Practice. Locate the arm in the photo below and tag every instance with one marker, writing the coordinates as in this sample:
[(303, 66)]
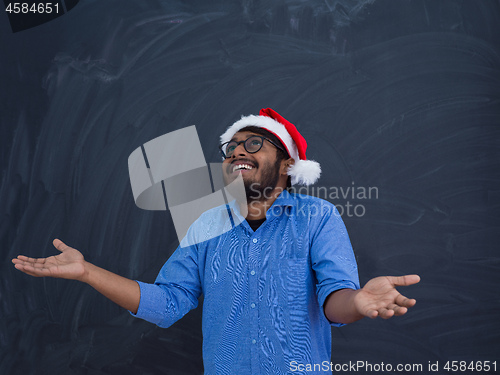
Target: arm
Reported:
[(378, 297), (70, 264)]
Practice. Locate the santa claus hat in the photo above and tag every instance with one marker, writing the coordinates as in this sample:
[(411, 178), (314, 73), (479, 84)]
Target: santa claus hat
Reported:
[(304, 172)]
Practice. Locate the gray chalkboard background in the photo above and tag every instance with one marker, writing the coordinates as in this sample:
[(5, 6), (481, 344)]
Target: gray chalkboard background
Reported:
[(403, 96)]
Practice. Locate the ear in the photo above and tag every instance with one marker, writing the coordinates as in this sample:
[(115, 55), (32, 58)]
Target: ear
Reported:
[(285, 166)]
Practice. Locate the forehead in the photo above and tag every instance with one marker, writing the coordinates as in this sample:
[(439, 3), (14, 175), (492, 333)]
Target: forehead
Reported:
[(239, 136)]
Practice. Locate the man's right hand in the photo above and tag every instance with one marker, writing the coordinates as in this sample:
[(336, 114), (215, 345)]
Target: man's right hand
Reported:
[(70, 264)]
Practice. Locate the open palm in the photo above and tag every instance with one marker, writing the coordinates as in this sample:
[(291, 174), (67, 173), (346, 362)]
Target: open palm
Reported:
[(67, 265), (379, 296)]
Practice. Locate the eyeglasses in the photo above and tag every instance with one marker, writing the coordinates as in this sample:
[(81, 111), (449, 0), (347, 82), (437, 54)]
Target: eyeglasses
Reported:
[(251, 145)]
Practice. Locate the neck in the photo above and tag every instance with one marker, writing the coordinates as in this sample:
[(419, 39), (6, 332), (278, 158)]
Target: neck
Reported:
[(257, 209)]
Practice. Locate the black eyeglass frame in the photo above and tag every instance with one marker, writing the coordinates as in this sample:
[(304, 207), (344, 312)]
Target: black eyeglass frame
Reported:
[(245, 145)]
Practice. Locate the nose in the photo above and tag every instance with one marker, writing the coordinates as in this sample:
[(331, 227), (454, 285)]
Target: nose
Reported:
[(239, 150)]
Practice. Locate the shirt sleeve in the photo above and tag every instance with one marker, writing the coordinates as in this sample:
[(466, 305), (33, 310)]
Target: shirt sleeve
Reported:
[(332, 256), (175, 291)]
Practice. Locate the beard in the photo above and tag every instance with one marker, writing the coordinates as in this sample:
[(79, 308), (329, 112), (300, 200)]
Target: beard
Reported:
[(261, 191)]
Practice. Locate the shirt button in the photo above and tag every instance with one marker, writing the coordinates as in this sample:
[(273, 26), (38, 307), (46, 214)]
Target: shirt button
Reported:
[(254, 341), (254, 240), (253, 305), (252, 272)]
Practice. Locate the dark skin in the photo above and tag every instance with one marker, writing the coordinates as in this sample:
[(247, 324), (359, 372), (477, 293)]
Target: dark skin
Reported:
[(378, 298)]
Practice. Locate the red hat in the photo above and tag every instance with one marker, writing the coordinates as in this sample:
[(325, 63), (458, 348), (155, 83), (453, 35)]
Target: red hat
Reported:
[(304, 172)]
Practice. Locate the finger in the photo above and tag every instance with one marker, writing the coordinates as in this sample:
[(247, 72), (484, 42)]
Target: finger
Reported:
[(30, 260), (25, 261), (385, 313), (30, 270), (59, 245), (39, 268), (371, 314), (404, 280), (398, 310), (18, 262), (404, 301), (21, 261)]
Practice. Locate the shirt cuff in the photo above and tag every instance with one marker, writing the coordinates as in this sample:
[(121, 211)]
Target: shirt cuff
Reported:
[(152, 303)]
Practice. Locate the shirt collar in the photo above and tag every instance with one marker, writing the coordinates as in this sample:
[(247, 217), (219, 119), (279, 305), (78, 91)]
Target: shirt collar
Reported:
[(284, 199)]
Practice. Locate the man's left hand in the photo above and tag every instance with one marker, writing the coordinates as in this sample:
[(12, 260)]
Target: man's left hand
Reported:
[(379, 297)]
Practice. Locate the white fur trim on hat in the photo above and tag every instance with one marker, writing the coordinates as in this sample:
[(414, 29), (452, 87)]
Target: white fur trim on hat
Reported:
[(304, 172)]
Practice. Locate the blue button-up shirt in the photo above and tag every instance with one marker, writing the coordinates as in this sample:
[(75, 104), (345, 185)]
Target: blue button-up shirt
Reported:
[(263, 291)]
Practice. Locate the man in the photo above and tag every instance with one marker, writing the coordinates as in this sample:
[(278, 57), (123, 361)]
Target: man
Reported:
[(272, 285)]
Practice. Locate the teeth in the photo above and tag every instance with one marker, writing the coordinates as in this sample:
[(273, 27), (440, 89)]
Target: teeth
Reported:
[(242, 166)]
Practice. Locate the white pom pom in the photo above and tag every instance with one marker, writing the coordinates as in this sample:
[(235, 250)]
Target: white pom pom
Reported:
[(304, 172)]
